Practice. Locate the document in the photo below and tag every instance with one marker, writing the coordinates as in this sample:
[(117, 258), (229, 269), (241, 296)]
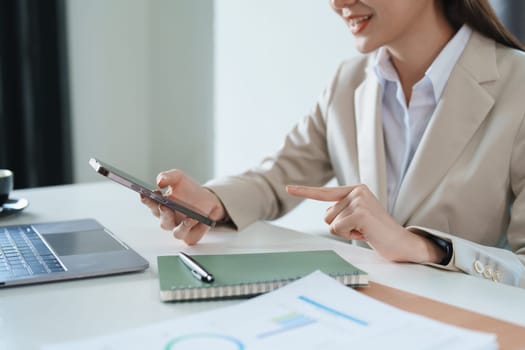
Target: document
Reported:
[(315, 312)]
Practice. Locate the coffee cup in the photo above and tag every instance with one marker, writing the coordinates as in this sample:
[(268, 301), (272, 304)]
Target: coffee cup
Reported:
[(6, 185)]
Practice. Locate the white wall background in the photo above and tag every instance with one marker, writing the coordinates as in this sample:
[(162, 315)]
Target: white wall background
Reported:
[(207, 86), (272, 60), (109, 60), (141, 85), (181, 86)]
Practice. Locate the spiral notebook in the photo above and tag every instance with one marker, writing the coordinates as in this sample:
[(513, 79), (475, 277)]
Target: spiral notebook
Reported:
[(245, 275)]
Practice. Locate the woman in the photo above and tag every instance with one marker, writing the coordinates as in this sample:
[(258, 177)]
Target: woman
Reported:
[(426, 134)]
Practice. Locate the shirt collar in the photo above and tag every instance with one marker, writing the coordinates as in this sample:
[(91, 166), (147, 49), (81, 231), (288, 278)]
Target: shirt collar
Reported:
[(438, 72)]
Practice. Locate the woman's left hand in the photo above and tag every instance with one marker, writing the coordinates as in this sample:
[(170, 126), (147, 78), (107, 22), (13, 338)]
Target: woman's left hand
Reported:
[(358, 214)]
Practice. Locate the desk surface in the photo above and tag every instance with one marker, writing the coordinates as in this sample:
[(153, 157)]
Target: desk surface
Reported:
[(34, 315)]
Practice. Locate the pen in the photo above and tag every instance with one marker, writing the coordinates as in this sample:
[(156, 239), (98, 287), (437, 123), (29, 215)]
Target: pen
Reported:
[(197, 270)]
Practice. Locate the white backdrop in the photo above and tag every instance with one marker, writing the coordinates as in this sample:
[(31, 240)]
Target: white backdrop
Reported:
[(272, 60), (141, 76)]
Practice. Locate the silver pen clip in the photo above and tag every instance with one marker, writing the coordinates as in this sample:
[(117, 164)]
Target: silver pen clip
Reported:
[(196, 269)]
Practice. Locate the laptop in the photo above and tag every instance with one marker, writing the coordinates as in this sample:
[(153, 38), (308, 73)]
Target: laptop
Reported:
[(62, 250)]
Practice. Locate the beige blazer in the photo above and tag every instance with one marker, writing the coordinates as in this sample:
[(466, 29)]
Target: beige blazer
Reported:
[(466, 182)]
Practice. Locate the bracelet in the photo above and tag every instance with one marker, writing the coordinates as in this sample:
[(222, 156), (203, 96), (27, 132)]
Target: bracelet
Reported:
[(445, 245)]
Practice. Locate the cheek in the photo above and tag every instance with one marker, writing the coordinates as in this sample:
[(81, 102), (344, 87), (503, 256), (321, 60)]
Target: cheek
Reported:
[(399, 22)]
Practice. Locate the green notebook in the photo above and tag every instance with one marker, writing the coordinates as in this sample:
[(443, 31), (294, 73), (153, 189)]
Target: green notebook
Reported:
[(244, 275)]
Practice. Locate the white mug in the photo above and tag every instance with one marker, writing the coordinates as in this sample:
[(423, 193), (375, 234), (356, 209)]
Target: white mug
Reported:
[(6, 185)]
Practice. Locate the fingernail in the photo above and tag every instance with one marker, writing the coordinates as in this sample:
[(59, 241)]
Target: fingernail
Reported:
[(187, 222)]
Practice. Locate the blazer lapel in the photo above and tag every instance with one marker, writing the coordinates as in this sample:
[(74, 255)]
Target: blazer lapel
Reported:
[(462, 108), (370, 145)]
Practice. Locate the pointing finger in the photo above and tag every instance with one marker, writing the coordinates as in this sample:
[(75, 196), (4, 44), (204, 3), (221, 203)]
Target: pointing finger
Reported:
[(327, 194)]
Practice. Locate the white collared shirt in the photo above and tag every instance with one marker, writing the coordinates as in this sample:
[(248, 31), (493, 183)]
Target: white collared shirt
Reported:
[(403, 126)]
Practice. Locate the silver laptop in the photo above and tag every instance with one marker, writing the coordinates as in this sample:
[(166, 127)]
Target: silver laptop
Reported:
[(44, 252)]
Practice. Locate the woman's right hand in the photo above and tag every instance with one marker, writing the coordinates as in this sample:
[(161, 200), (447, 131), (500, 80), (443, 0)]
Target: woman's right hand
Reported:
[(181, 188)]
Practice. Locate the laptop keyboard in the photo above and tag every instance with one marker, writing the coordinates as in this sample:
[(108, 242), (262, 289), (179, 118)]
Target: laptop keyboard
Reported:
[(23, 253)]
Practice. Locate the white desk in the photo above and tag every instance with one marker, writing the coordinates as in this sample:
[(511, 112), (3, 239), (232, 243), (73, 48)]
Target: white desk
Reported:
[(34, 315)]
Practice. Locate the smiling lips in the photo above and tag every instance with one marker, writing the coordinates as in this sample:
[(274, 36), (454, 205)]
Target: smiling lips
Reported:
[(357, 23)]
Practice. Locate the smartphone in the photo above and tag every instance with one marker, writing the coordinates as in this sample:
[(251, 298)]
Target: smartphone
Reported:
[(146, 189)]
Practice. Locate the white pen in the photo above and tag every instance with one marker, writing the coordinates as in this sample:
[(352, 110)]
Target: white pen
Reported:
[(196, 269)]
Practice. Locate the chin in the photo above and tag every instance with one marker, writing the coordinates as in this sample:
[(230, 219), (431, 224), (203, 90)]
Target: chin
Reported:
[(365, 47)]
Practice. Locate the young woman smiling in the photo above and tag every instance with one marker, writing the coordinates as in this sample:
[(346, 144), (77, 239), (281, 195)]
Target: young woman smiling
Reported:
[(425, 134)]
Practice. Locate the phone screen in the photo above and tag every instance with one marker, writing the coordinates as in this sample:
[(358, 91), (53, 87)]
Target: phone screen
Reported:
[(147, 190)]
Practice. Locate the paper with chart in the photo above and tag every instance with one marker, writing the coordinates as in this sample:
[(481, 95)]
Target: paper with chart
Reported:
[(315, 312)]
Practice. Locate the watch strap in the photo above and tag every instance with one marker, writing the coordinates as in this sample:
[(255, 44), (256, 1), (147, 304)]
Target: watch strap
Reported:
[(446, 246)]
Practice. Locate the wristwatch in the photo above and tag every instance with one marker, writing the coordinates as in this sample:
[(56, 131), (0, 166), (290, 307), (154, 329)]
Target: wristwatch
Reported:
[(445, 245)]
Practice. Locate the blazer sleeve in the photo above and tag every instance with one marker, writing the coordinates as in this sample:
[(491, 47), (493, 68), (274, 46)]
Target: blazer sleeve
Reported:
[(497, 264), (259, 193)]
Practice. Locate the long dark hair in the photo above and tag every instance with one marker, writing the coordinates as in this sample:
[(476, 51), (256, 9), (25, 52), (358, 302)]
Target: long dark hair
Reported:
[(480, 16)]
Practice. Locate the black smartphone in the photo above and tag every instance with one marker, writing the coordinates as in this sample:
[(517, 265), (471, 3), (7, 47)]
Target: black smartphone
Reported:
[(146, 189)]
